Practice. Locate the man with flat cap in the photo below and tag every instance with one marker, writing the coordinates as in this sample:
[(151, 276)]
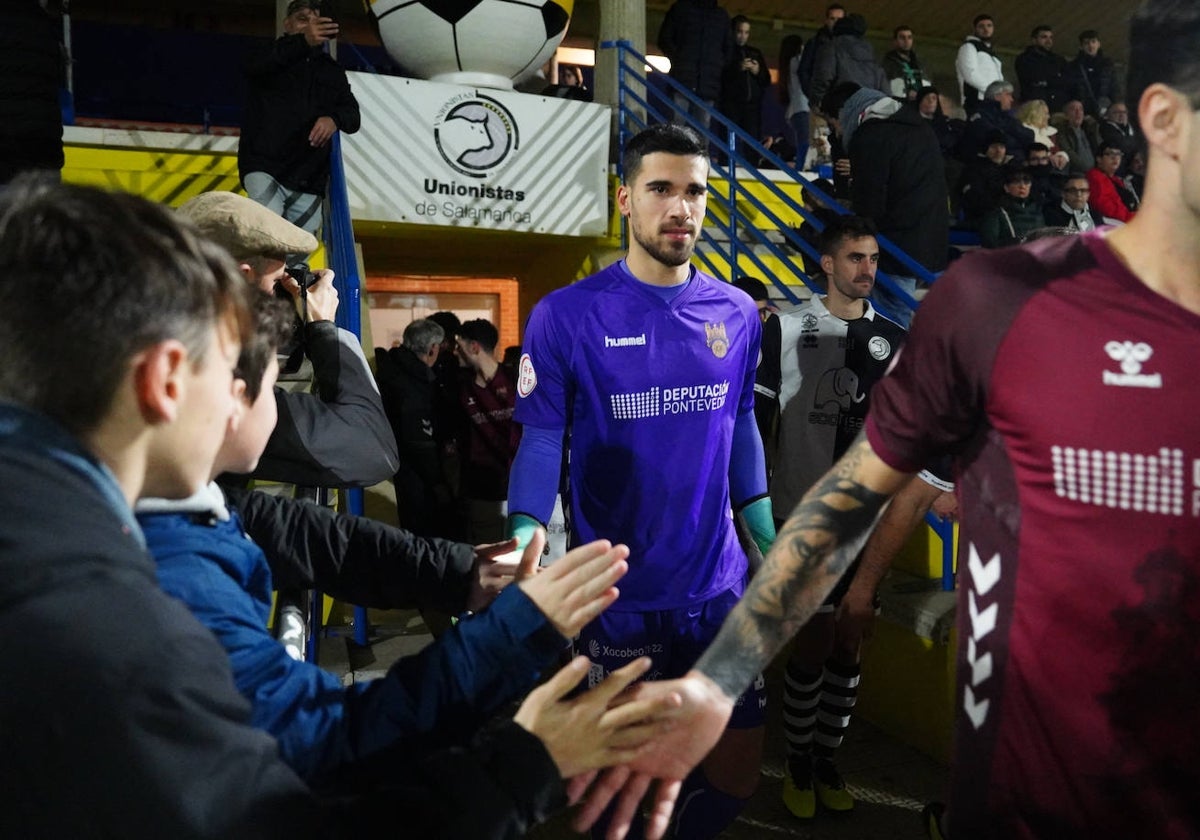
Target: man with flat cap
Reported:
[(338, 435)]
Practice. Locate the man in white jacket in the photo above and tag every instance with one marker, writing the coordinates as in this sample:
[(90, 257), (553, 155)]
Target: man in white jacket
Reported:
[(976, 64)]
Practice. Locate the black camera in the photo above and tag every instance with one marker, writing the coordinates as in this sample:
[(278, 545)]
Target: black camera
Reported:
[(301, 274)]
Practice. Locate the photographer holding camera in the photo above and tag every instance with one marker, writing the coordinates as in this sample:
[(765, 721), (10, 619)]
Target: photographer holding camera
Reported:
[(337, 435), (297, 98)]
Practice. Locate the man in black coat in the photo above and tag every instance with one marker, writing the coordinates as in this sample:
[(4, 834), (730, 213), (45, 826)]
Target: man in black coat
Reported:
[(745, 78), (298, 97), (696, 36), (900, 184), (1041, 72), (1093, 74)]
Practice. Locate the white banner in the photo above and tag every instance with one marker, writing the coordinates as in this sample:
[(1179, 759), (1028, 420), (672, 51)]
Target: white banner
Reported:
[(439, 154)]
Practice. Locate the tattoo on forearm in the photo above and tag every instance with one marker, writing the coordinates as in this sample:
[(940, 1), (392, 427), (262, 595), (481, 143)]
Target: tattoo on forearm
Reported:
[(816, 544)]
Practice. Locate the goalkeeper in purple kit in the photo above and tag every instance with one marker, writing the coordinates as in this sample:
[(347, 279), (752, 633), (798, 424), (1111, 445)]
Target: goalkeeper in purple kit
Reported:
[(647, 368)]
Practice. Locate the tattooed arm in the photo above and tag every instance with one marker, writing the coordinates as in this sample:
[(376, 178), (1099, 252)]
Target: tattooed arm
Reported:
[(818, 542)]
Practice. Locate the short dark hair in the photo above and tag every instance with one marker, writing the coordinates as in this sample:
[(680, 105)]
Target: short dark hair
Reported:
[(982, 17), (1037, 147), (831, 104), (752, 286), (1039, 29), (672, 138), (1164, 46), (834, 6), (448, 321), (1088, 34), (738, 20), (92, 278), (840, 229), (901, 28), (481, 330), (274, 323)]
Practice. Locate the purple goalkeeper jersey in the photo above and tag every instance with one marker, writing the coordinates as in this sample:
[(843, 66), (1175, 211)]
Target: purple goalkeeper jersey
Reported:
[(650, 390)]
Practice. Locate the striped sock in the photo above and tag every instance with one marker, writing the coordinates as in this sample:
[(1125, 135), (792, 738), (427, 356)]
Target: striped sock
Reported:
[(838, 694), (801, 695)]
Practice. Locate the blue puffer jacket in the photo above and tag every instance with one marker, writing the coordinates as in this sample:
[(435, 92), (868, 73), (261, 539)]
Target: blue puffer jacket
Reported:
[(435, 698)]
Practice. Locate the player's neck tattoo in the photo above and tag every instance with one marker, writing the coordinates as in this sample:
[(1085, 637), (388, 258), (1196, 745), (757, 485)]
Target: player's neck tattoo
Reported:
[(820, 539)]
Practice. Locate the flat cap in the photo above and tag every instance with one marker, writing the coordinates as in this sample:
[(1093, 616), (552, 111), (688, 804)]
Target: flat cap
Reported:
[(244, 227)]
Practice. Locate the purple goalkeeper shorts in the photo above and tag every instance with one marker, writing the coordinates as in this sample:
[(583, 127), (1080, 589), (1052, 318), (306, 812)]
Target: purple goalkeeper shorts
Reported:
[(674, 640)]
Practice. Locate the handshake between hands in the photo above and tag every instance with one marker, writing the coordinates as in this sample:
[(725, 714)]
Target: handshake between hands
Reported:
[(614, 741)]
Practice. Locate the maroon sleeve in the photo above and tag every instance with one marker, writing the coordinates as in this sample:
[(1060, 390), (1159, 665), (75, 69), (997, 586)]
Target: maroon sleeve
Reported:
[(933, 402)]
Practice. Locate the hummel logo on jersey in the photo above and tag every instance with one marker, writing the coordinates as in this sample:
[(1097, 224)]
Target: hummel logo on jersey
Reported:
[(625, 341), (1131, 356)]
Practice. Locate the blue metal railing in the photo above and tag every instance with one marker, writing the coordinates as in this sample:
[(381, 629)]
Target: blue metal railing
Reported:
[(339, 246), (635, 91)]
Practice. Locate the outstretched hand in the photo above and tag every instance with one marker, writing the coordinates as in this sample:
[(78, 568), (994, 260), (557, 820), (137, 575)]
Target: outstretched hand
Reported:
[(577, 587), (496, 566), (590, 731), (697, 726)]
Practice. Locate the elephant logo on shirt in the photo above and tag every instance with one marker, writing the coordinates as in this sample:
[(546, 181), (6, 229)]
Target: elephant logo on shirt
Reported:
[(838, 386)]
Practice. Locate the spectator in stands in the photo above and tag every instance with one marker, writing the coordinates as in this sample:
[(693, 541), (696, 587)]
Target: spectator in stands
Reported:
[(696, 36), (424, 502), (1016, 215), (899, 184), (31, 122), (1115, 130), (1093, 74), (570, 84), (976, 64), (1041, 72), (791, 96), (1078, 136), (1035, 115), (743, 80), (1073, 211), (297, 99), (928, 103), (833, 13), (994, 113), (983, 180), (333, 431), (846, 57), (1135, 173), (489, 439), (906, 77), (1110, 197), (1048, 179)]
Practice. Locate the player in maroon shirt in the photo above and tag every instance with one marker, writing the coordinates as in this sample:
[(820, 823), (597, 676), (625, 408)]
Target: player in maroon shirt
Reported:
[(1061, 377)]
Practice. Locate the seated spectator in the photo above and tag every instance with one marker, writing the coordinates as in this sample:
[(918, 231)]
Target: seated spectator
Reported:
[(1047, 179), (1073, 212), (1115, 130), (1135, 173), (1016, 214), (995, 114), (1035, 115), (983, 180), (1110, 197), (928, 103), (1078, 136)]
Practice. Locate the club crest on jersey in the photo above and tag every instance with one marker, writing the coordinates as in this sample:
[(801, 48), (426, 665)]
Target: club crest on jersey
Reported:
[(526, 376), (716, 339), (879, 348)]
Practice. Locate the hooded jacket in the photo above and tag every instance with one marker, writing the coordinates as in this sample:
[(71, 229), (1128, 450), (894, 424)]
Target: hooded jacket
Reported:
[(899, 179), (846, 57)]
